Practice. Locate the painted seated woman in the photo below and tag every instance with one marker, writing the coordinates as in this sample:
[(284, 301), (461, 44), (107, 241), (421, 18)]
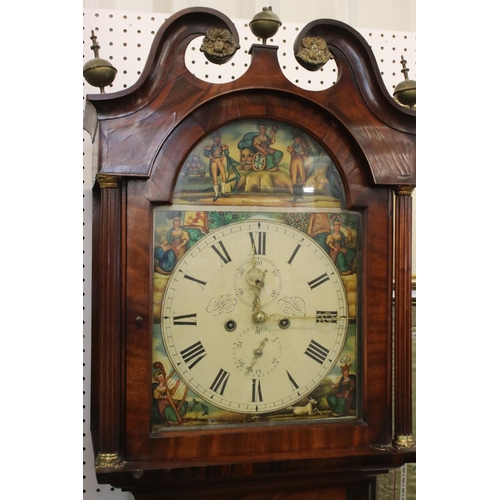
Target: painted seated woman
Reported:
[(337, 241), (343, 398), (169, 397)]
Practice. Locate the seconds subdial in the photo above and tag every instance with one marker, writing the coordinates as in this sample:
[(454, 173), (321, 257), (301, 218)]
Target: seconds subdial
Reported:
[(257, 351)]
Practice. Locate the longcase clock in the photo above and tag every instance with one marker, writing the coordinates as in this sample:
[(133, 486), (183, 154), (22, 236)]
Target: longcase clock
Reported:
[(251, 241)]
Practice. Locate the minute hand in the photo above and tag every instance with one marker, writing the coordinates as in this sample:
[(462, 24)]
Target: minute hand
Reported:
[(323, 317)]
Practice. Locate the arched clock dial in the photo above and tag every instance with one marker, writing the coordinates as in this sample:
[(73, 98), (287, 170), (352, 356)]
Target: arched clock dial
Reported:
[(254, 316)]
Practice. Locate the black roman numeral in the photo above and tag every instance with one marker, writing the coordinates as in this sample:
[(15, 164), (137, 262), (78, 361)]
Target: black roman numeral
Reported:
[(220, 382), (190, 278), (297, 248), (317, 352), (326, 316), (185, 319), (258, 241), (294, 384), (221, 252), (318, 281), (194, 353), (256, 391)]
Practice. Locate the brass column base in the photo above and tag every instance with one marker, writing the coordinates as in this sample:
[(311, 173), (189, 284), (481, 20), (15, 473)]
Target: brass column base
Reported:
[(108, 460), (403, 441)]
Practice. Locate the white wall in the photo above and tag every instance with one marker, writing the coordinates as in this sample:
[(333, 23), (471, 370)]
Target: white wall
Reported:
[(376, 14)]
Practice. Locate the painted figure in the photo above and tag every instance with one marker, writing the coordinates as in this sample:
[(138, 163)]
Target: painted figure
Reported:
[(169, 397), (343, 398), (217, 152), (246, 156), (164, 257), (341, 255), (178, 238), (299, 157), (262, 144)]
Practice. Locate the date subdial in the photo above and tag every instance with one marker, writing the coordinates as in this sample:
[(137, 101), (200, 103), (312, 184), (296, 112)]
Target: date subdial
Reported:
[(257, 282), (257, 351)]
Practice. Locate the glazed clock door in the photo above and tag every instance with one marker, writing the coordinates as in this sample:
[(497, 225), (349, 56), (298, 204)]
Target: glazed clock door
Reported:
[(253, 323)]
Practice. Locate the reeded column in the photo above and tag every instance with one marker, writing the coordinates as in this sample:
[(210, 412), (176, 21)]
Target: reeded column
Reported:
[(109, 343), (402, 318)]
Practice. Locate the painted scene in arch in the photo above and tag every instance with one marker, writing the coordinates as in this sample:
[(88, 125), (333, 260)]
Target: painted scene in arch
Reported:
[(259, 163)]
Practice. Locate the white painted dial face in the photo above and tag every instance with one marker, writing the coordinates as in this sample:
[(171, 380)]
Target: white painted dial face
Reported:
[(254, 316)]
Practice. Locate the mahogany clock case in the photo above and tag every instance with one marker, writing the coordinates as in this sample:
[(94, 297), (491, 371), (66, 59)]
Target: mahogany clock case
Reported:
[(145, 135)]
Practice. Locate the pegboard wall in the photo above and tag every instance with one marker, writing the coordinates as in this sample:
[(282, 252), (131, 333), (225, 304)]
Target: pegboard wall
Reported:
[(125, 39)]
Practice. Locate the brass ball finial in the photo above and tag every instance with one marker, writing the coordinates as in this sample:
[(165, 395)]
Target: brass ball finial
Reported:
[(265, 24), (406, 91), (98, 72)]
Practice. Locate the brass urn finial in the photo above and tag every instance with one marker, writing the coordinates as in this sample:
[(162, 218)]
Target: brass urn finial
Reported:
[(265, 24), (98, 72), (406, 91)]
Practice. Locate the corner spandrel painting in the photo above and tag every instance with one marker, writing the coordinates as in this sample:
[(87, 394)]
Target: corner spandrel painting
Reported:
[(244, 160), (254, 170)]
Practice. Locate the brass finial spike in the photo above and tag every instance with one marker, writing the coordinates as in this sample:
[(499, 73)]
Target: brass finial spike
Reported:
[(405, 70), (95, 45)]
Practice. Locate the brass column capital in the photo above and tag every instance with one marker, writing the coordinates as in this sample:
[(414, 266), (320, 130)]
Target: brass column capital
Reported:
[(404, 190), (108, 181)]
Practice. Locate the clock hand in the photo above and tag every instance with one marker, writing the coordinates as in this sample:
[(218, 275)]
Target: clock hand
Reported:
[(257, 353), (255, 278), (261, 316), (320, 318), (257, 288)]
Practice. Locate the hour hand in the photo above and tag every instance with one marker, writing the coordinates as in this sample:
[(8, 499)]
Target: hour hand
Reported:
[(255, 278), (257, 353)]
